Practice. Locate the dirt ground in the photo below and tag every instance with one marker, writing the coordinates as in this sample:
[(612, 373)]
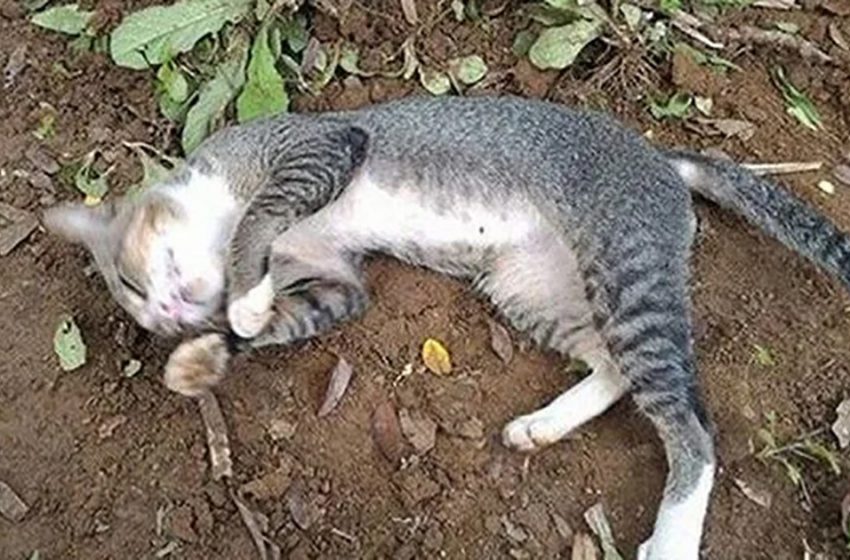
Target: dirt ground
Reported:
[(117, 468)]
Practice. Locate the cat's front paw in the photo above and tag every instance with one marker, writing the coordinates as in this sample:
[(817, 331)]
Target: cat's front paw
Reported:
[(532, 431), (196, 365), (249, 314)]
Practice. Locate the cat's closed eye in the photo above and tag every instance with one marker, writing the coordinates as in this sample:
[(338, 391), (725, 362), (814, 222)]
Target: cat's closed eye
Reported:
[(132, 286)]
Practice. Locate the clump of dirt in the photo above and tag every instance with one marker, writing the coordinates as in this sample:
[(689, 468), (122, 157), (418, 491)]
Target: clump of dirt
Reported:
[(117, 467)]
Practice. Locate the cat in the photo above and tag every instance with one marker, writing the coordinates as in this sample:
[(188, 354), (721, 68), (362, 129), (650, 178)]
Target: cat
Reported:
[(576, 228)]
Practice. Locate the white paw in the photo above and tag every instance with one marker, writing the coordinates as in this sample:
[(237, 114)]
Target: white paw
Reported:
[(250, 314), (196, 365), (532, 431), (643, 550)]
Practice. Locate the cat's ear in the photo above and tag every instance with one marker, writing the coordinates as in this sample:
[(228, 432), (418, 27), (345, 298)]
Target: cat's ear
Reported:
[(79, 223)]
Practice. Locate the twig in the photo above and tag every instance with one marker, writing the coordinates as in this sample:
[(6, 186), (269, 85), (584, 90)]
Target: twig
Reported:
[(217, 441), (782, 168), (747, 33), (689, 25)]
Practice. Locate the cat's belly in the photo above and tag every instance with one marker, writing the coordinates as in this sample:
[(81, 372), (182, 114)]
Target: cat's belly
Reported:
[(430, 227)]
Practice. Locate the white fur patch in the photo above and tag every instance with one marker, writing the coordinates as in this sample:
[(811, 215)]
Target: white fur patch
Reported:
[(368, 215), (589, 398), (250, 314), (687, 171), (678, 527)]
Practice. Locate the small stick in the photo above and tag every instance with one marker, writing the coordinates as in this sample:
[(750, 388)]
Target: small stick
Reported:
[(217, 441), (747, 33), (782, 168)]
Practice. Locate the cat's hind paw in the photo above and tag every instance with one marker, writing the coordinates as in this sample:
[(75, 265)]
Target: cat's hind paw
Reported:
[(196, 365), (249, 314)]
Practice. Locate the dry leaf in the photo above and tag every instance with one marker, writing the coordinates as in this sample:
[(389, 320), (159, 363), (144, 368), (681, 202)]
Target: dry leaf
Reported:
[(419, 429), (340, 377), (743, 130), (584, 548), (257, 525), (845, 514), (386, 431), (436, 357), (827, 187), (841, 426), (562, 527), (500, 341), (304, 510), (842, 174), (837, 36), (217, 441), (409, 9), (12, 507), (760, 497), (598, 523), (271, 485)]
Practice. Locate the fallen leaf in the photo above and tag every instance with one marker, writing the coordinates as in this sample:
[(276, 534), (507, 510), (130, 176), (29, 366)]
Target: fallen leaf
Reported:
[(340, 378), (264, 93), (436, 82), (15, 226), (757, 496), (419, 429), (468, 69), (303, 509), (408, 7), (16, 63), (841, 426), (826, 186), (598, 523), (703, 104), (845, 514), (584, 548), (842, 174), (837, 36), (798, 104), (471, 428), (90, 182), (68, 345), (68, 19), (386, 431), (257, 525), (217, 440), (153, 35), (514, 531), (281, 429), (500, 341), (837, 7), (562, 527), (12, 507), (436, 357), (558, 47)]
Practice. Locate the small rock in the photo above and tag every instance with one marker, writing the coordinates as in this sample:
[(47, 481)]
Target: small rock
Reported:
[(15, 226), (109, 426), (386, 432), (760, 497), (493, 524), (12, 507), (535, 518), (407, 551), (204, 520), (180, 521), (42, 160), (417, 487), (42, 181), (519, 554), (269, 486), (827, 187), (281, 429), (433, 538), (303, 508), (841, 426), (471, 428), (562, 527), (47, 200), (513, 531), (419, 429)]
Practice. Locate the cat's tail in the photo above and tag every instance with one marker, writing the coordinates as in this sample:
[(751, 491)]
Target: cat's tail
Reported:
[(769, 207)]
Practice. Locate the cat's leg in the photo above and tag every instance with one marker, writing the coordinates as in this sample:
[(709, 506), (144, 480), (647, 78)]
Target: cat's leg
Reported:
[(311, 286), (589, 398)]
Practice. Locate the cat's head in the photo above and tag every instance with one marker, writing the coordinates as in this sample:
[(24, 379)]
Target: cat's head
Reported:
[(152, 261)]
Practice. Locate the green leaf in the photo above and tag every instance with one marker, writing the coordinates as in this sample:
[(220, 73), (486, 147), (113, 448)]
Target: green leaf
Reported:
[(458, 9), (799, 105), (173, 82), (33, 5), (264, 93), (468, 69), (156, 34), (523, 41), (68, 345), (763, 356), (89, 182), (215, 95), (349, 60), (787, 27), (67, 19), (294, 32), (677, 106), (558, 47), (436, 82), (669, 6), (632, 15)]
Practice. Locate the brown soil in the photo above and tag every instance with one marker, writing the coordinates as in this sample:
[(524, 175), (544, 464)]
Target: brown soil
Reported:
[(97, 456)]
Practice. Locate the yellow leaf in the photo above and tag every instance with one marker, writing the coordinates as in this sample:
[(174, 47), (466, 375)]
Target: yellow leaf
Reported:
[(436, 357)]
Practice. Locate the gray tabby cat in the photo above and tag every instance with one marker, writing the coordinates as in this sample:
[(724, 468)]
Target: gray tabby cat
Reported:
[(577, 229)]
